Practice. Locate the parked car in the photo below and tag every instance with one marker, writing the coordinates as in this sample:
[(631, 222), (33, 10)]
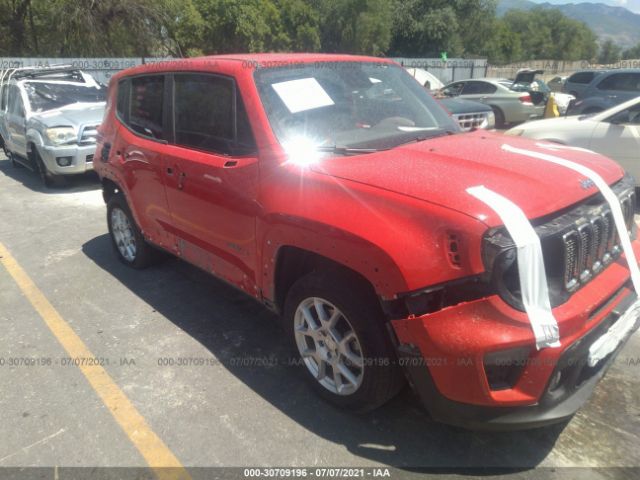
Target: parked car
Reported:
[(577, 83), (538, 86), (467, 113), (335, 190), (607, 90), (556, 84), (49, 119), (509, 105), (470, 115), (614, 133), (427, 79)]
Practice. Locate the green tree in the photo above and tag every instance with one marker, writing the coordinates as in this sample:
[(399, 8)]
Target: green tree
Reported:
[(354, 26), (632, 53), (609, 53)]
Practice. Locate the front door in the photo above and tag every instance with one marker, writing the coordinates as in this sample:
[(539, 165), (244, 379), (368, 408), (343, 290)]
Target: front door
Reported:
[(211, 176), (17, 123), (618, 137)]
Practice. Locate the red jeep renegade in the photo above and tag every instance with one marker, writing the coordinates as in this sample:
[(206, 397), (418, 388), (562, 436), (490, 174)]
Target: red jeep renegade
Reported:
[(333, 188)]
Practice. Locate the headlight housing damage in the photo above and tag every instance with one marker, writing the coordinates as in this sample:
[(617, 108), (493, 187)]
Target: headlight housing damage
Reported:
[(61, 135)]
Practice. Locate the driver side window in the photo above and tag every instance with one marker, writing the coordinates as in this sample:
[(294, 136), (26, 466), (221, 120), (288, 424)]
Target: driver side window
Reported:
[(630, 116), (453, 90)]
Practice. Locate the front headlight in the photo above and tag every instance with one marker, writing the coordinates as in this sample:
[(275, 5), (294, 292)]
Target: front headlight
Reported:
[(61, 135)]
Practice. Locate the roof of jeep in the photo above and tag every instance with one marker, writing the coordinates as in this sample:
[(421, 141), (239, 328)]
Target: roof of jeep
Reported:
[(236, 62)]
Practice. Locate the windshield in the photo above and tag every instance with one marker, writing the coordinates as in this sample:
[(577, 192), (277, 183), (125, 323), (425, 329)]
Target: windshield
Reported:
[(48, 95), (353, 105)]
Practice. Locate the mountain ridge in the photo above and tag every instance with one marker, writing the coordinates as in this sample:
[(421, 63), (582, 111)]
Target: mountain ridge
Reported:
[(608, 22)]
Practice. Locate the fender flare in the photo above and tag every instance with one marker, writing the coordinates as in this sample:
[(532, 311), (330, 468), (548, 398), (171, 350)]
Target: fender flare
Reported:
[(339, 246)]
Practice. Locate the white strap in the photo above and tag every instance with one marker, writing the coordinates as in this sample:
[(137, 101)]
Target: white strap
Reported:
[(533, 277), (609, 196)]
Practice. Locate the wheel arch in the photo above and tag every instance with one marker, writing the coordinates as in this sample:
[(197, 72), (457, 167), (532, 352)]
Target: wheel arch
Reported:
[(283, 262)]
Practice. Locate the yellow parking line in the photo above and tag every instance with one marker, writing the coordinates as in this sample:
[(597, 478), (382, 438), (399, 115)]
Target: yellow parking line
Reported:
[(155, 452)]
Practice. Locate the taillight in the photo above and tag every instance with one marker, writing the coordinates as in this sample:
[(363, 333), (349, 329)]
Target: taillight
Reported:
[(525, 99)]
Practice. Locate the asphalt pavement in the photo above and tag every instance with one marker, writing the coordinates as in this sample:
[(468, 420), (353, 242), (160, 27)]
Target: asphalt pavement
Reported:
[(195, 366)]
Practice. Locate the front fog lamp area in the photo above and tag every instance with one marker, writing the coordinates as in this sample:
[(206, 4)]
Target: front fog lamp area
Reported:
[(61, 135), (504, 368), (64, 161)]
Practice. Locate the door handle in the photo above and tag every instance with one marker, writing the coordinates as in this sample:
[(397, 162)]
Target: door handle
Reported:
[(181, 177)]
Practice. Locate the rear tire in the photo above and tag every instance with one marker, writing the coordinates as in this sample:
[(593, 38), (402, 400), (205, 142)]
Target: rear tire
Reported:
[(500, 120), (126, 238), (337, 328)]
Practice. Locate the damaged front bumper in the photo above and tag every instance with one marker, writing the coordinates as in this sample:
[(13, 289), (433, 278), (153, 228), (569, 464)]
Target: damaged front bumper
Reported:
[(447, 355)]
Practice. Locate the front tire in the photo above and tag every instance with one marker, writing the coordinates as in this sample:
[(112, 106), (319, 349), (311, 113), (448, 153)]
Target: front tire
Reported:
[(47, 178), (337, 327), (127, 239)]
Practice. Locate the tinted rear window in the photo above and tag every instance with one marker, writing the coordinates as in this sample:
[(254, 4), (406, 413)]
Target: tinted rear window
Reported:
[(581, 77), (625, 82), (146, 112)]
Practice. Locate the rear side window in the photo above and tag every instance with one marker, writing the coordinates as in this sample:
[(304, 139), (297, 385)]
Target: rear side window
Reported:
[(582, 77), (209, 116), (475, 88), (624, 82), (146, 110), (122, 102)]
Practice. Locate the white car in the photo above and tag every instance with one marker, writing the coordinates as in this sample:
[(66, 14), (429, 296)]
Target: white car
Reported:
[(426, 79), (614, 132)]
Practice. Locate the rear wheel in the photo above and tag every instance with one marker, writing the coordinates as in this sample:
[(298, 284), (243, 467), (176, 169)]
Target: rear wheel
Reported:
[(127, 239), (337, 329), (500, 121)]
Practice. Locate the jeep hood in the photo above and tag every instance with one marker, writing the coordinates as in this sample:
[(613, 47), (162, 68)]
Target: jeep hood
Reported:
[(440, 170), (72, 115)]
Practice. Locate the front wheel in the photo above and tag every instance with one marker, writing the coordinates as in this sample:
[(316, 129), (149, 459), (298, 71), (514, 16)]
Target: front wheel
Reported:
[(47, 178), (337, 329)]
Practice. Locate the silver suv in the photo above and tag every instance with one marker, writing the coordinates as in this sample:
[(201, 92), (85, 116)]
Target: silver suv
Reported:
[(49, 119)]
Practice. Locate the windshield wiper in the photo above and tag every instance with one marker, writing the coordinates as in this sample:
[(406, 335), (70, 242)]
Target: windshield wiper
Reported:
[(339, 150), (422, 138)]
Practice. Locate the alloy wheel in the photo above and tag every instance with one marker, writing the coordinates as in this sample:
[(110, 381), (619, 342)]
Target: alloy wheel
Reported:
[(123, 234), (329, 346)]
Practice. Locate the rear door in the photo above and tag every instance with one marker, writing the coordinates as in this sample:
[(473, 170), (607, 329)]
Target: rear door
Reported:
[(618, 137), (138, 146), (212, 177), (478, 91), (620, 87)]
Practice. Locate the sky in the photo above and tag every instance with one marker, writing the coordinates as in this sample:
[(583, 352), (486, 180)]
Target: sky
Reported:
[(633, 5)]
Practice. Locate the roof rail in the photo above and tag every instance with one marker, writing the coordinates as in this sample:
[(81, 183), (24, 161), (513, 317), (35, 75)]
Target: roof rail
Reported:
[(33, 72)]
